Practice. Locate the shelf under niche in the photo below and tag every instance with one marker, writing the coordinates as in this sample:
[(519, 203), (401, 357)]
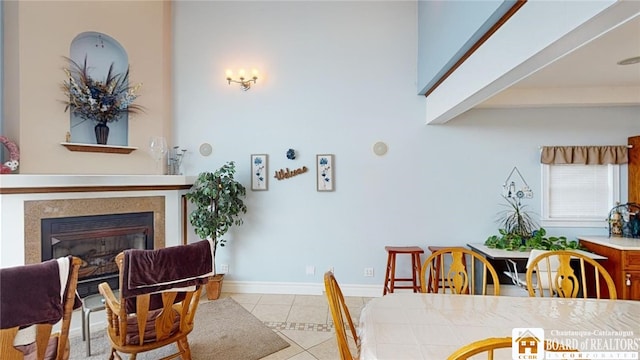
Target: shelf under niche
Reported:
[(111, 149)]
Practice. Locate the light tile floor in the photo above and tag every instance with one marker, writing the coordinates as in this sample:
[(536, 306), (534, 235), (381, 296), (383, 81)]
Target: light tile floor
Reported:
[(302, 320)]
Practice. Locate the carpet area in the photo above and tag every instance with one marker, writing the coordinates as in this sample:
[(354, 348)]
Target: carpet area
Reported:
[(223, 330)]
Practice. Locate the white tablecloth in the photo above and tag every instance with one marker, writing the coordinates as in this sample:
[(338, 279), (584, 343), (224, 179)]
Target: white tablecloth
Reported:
[(431, 326)]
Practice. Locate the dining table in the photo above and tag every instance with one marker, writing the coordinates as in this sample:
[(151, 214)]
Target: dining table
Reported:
[(429, 326)]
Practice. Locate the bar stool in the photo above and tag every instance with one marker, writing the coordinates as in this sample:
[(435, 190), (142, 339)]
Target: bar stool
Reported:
[(390, 274)]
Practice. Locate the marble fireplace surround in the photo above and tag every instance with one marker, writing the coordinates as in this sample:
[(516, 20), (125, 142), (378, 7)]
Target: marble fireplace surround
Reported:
[(35, 211)]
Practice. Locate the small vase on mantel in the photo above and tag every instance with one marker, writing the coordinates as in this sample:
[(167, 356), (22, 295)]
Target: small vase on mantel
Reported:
[(102, 133)]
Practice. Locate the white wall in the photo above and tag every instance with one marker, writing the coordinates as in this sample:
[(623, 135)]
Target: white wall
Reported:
[(337, 77), (334, 75), (447, 30)]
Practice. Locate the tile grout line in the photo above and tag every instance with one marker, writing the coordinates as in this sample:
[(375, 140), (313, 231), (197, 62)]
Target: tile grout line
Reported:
[(282, 325)]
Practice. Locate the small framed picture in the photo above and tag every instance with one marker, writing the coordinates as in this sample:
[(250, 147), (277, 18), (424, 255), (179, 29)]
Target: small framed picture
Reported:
[(259, 172), (324, 172)]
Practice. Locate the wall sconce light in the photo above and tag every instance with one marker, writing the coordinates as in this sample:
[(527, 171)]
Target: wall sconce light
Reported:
[(245, 84)]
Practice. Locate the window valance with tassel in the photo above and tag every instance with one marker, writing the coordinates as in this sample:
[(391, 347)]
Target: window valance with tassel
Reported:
[(585, 155)]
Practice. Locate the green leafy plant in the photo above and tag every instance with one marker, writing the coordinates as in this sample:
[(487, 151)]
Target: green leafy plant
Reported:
[(515, 219), (539, 240), (520, 232), (219, 205), (505, 241)]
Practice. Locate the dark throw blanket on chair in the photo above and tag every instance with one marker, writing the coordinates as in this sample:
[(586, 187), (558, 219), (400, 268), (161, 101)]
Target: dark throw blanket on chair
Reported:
[(148, 271), (30, 294)]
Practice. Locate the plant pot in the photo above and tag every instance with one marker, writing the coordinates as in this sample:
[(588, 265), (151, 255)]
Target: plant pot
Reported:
[(214, 287), (102, 133)]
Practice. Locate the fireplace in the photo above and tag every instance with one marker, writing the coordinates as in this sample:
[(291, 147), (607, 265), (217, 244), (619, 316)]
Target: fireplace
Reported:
[(96, 239)]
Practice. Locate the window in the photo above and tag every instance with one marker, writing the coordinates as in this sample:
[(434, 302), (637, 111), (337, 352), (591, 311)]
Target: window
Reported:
[(577, 195)]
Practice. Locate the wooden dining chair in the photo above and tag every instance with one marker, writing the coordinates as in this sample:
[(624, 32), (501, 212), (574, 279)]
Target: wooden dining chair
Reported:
[(490, 345), (35, 297), (161, 309), (349, 349), (564, 282), (458, 270)]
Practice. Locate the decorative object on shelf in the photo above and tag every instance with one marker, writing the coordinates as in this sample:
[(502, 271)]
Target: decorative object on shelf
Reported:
[(624, 220), (99, 101), (174, 160), (242, 80), (286, 173), (217, 197), (324, 173), (380, 148), (259, 172), (291, 154), (102, 133), (205, 149), (158, 148), (509, 189), (12, 164)]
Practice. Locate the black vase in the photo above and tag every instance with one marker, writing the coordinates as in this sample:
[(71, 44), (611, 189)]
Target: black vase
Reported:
[(102, 133)]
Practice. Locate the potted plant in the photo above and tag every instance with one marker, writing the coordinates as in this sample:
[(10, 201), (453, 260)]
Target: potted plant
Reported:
[(516, 226), (219, 205), (519, 231)]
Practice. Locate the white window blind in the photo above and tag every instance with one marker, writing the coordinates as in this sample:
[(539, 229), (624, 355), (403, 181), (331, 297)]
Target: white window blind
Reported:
[(578, 195)]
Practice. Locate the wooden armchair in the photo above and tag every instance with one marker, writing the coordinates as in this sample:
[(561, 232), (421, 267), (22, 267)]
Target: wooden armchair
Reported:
[(34, 298), (157, 307)]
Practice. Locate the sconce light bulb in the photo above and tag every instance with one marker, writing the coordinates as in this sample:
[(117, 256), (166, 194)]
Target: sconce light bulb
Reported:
[(241, 72)]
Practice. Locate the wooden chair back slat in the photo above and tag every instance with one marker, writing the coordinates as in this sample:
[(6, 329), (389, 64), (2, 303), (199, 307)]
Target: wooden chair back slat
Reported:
[(460, 277)]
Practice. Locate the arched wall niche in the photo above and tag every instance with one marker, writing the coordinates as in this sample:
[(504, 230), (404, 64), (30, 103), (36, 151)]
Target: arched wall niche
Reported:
[(101, 51)]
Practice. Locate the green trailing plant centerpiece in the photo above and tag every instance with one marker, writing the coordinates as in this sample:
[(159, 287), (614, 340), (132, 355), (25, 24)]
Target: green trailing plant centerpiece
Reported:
[(217, 197), (520, 232), (99, 101)]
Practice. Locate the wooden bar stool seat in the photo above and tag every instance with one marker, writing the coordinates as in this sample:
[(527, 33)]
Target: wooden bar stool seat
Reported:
[(390, 273)]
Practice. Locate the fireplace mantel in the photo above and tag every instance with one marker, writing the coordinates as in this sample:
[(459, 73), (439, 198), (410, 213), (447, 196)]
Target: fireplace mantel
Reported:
[(79, 195), (26, 184)]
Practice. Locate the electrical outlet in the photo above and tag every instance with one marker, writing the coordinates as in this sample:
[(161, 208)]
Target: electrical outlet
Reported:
[(311, 270), (224, 268), (368, 272)]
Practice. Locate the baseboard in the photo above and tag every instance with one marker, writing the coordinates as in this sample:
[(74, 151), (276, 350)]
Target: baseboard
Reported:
[(251, 287)]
